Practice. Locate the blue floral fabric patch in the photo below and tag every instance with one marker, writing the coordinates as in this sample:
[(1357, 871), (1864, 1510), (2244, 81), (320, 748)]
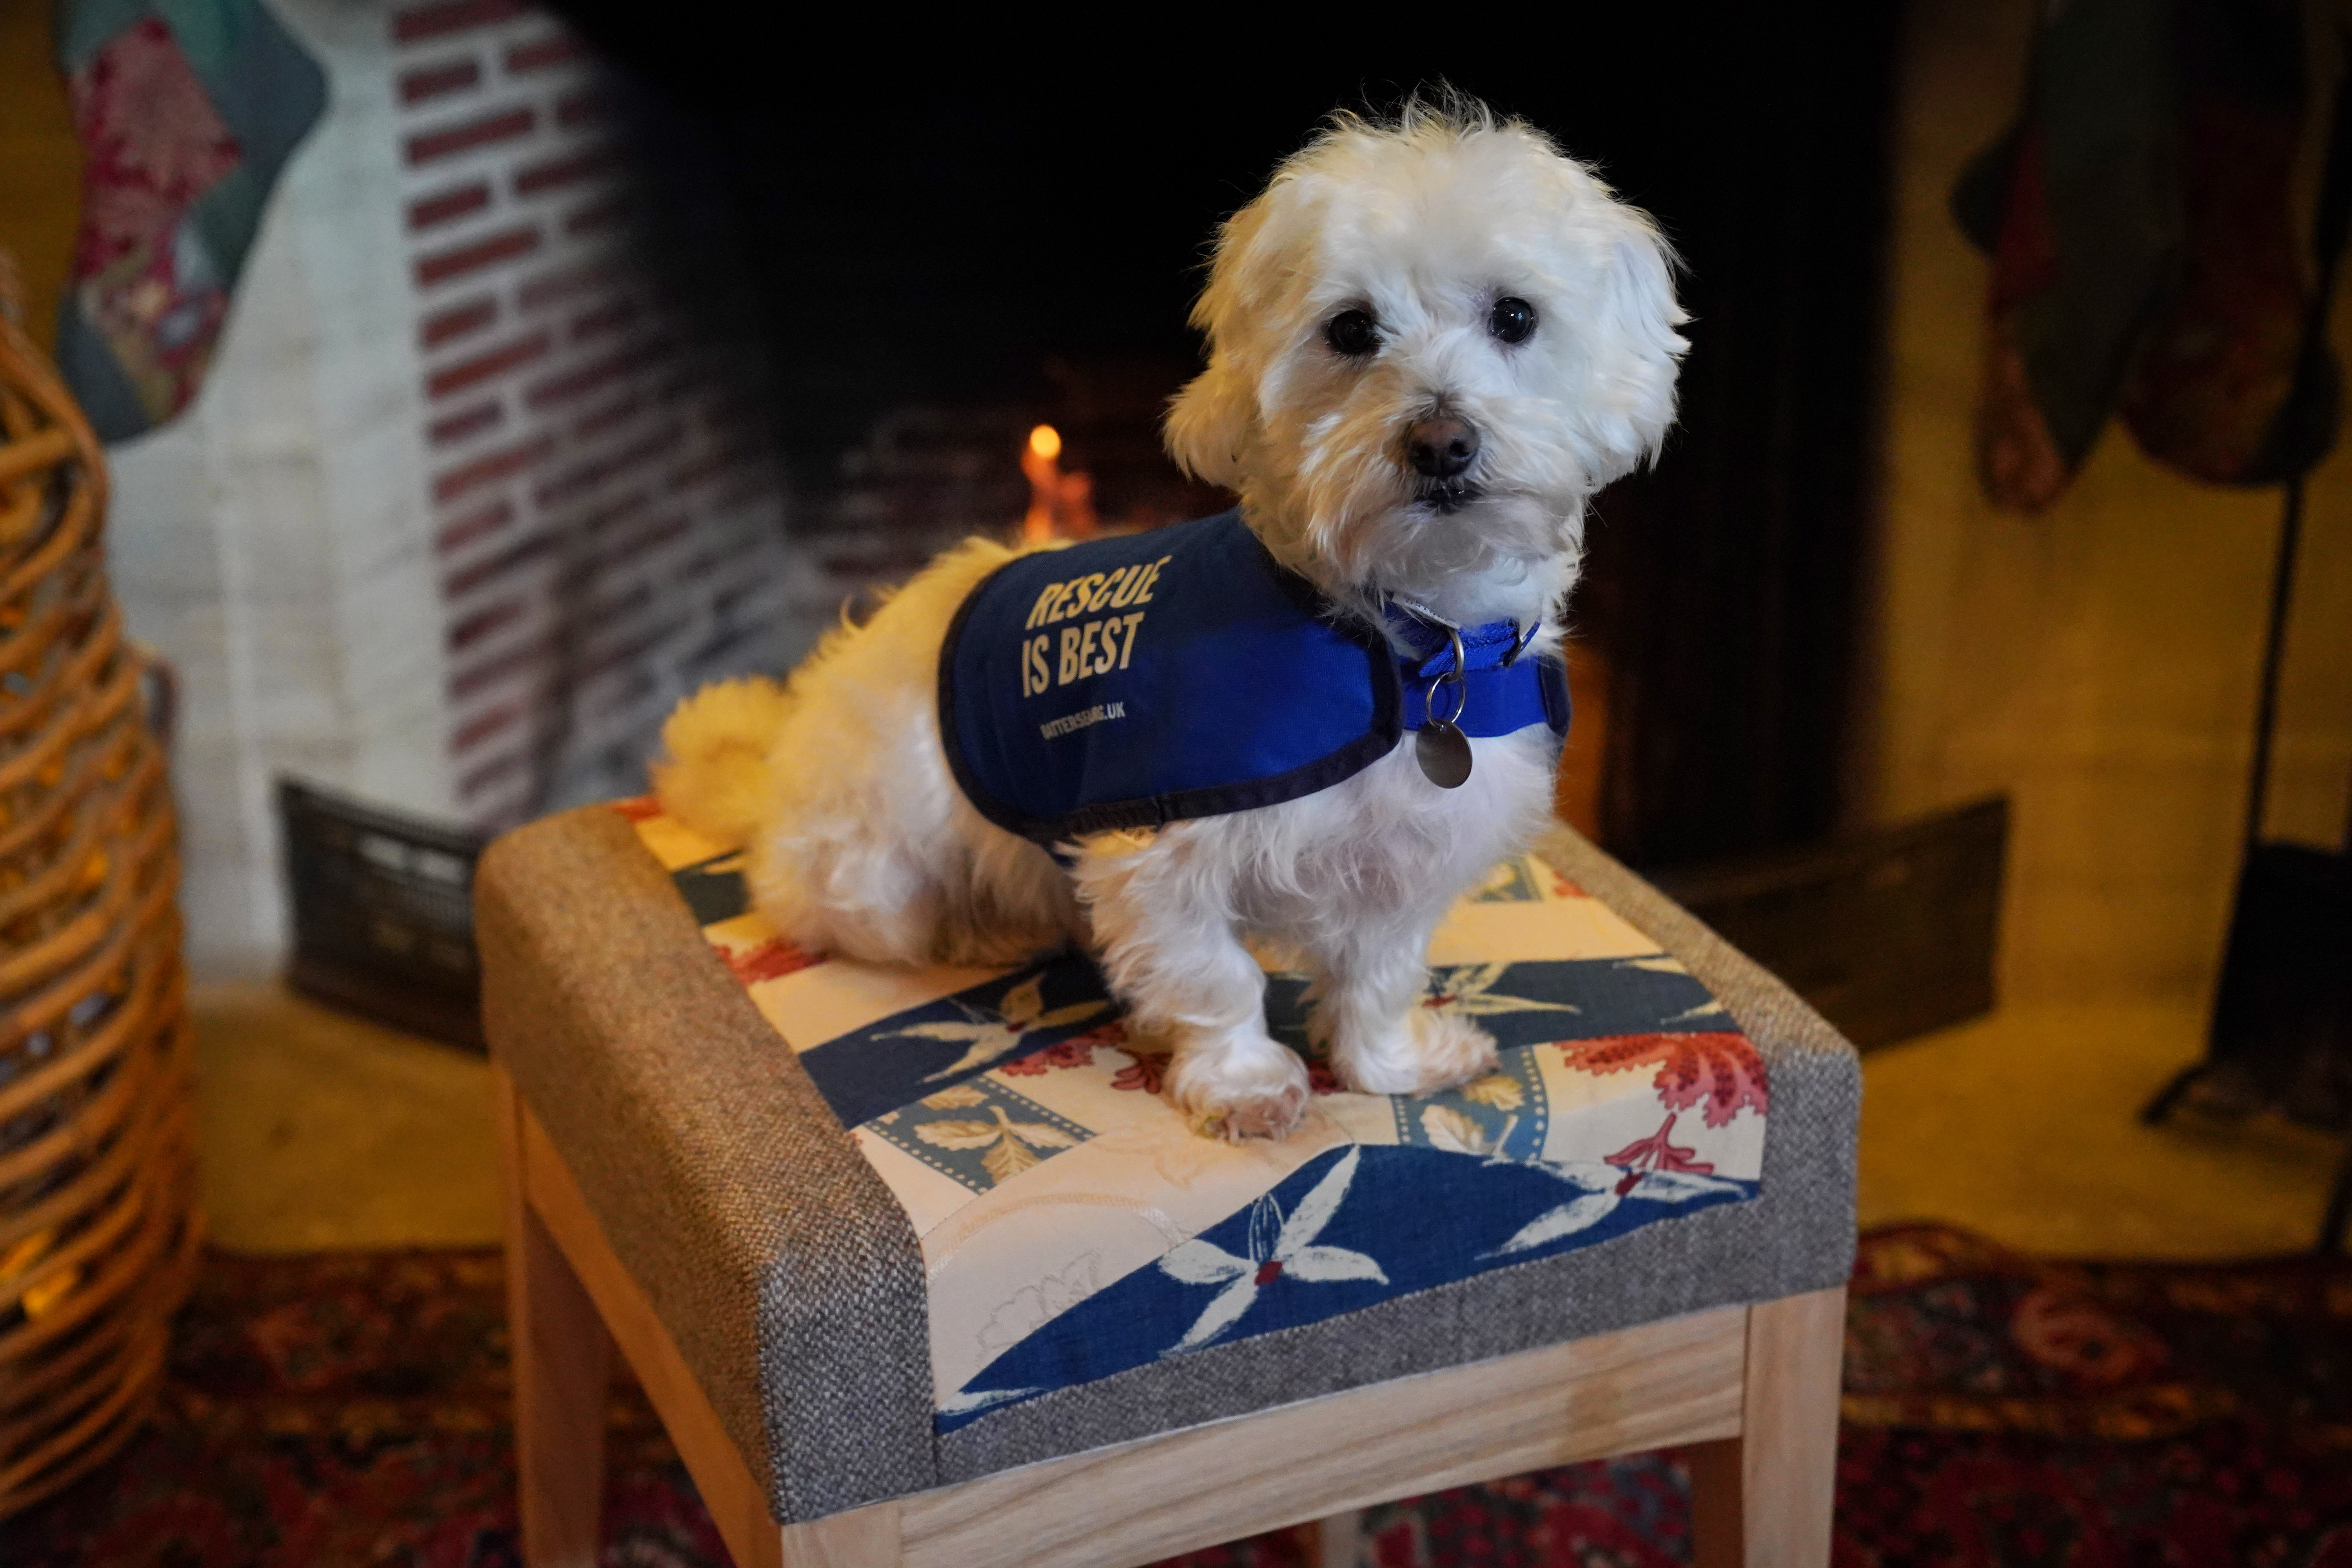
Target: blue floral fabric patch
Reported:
[(897, 1061), (1351, 1228)]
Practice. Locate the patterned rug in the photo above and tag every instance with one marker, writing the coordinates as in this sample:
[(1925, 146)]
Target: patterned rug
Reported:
[(351, 1409)]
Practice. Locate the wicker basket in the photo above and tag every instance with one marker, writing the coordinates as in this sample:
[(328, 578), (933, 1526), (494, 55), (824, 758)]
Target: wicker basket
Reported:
[(98, 1232)]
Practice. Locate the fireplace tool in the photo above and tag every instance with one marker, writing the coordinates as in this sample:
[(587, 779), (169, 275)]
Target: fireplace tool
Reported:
[(2281, 1035)]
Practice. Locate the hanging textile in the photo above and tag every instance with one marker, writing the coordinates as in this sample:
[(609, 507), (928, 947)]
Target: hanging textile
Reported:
[(2140, 218), (187, 111)]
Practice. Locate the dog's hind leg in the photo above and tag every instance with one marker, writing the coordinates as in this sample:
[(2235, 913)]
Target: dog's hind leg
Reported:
[(1164, 929), (890, 866), (865, 845)]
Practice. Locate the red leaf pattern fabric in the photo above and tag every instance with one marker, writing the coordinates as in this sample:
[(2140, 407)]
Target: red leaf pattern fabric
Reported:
[(152, 142), (770, 959), (1719, 1069), (1076, 1052), (1147, 1071), (1658, 1151)]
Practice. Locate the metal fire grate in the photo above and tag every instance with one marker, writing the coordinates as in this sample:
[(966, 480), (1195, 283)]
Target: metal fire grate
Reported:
[(383, 912)]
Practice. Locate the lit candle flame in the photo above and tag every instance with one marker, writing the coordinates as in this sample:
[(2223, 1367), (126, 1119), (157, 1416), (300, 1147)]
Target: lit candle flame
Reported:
[(1060, 505)]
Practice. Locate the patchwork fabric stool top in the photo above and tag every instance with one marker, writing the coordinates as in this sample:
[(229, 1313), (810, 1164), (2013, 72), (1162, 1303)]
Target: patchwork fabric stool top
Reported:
[(919, 1267)]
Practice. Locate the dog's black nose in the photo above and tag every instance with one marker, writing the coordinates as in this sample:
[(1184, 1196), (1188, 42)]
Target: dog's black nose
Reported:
[(1440, 447)]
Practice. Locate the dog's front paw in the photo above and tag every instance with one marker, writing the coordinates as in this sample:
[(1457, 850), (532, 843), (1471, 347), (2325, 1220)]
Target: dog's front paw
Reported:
[(1237, 1090), (1433, 1050)]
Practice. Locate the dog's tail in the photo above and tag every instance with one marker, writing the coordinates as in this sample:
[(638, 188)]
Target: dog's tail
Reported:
[(715, 776)]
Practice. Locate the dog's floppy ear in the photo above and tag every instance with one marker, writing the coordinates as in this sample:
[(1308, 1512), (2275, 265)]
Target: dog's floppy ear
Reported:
[(1207, 423), (1212, 419), (1641, 348)]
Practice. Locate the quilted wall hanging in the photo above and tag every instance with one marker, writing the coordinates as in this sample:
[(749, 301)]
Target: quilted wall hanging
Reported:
[(187, 111)]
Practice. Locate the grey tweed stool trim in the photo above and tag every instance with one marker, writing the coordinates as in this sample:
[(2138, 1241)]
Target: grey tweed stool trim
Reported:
[(779, 1262)]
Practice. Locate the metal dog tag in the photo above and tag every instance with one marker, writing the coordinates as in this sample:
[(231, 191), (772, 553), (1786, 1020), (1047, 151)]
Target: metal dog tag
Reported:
[(1441, 748), (1444, 753)]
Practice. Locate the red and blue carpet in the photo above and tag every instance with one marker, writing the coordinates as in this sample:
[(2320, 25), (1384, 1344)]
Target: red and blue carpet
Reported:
[(2001, 1412)]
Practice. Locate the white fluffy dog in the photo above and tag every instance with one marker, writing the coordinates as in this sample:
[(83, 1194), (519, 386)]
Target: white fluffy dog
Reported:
[(1431, 341)]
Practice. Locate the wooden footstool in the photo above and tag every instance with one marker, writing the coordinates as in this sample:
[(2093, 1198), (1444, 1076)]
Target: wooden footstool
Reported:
[(918, 1268)]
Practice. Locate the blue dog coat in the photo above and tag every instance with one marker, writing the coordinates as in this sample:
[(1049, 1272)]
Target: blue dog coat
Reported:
[(1142, 678)]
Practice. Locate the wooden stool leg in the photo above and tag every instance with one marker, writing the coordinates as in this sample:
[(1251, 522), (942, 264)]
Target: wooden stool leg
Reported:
[(1340, 1540), (1765, 1498), (562, 1375)]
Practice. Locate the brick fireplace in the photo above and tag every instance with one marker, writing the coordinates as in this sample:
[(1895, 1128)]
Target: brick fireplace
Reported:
[(606, 515)]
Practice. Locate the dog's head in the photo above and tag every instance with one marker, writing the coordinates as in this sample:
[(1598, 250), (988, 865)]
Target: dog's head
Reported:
[(1430, 341)]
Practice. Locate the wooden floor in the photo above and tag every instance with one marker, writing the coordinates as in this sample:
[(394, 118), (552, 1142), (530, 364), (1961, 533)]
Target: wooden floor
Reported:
[(2024, 1127), (318, 1131)]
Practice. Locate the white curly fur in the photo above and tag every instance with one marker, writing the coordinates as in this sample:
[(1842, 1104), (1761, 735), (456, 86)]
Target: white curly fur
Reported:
[(862, 844)]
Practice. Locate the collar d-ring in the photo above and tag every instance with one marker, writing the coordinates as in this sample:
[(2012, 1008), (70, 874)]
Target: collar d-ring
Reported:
[(1459, 675)]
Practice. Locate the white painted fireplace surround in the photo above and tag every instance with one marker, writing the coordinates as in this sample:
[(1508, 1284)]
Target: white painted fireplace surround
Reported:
[(458, 512)]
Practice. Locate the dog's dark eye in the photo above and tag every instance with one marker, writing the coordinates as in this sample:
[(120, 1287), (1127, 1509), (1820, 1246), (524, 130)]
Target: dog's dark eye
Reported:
[(1353, 334), (1513, 321)]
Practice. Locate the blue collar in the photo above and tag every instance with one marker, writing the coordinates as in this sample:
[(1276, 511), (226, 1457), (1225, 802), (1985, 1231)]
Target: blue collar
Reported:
[(1492, 693), (1494, 645)]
